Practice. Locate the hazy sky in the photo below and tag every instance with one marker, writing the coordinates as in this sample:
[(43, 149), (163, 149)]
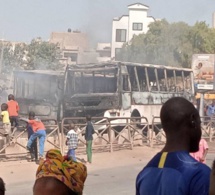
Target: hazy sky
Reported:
[(23, 20)]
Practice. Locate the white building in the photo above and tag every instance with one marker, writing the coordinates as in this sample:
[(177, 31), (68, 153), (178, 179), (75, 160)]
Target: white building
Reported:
[(125, 27)]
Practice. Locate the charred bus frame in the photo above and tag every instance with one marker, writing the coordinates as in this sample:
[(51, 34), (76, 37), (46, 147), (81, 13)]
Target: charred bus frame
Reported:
[(39, 91), (123, 89)]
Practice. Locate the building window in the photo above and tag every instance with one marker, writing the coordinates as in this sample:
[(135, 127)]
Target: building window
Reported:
[(137, 26), (121, 35)]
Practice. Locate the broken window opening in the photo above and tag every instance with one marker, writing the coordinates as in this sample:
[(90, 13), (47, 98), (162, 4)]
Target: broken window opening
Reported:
[(93, 82), (133, 79), (187, 81), (162, 80), (171, 80), (152, 79), (142, 78), (125, 83), (179, 81)]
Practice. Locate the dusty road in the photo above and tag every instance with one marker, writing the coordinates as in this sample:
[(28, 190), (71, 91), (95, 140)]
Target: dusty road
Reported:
[(111, 173)]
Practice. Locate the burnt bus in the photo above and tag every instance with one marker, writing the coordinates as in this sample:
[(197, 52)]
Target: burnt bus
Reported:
[(90, 89), (39, 91), (123, 89)]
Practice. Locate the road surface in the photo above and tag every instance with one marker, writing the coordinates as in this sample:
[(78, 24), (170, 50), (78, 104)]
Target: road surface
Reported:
[(111, 173)]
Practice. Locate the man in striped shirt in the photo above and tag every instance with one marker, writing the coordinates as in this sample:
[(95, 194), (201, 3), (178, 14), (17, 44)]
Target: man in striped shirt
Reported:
[(72, 142)]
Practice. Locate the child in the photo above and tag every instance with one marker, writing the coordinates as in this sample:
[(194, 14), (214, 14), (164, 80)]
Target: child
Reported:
[(39, 132), (201, 154), (5, 119), (13, 109), (72, 142), (89, 138), (33, 149)]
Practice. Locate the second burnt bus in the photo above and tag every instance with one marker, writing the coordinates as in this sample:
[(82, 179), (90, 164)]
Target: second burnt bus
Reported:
[(123, 89)]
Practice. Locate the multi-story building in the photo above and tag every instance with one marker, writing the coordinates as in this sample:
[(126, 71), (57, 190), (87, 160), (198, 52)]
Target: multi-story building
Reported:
[(125, 27), (73, 45)]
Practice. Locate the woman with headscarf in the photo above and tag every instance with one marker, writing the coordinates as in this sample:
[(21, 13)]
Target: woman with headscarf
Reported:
[(59, 176)]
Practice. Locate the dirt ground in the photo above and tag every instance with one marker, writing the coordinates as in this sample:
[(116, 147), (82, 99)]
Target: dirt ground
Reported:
[(19, 175), (110, 173)]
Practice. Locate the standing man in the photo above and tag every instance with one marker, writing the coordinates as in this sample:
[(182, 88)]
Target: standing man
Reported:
[(89, 138), (72, 142), (211, 109), (173, 170), (13, 109)]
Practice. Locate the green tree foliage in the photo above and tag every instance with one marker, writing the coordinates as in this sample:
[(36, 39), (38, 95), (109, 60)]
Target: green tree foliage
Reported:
[(170, 44), (36, 55), (42, 55)]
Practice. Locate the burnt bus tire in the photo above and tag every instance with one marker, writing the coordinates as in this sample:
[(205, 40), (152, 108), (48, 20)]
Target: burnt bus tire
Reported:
[(135, 113)]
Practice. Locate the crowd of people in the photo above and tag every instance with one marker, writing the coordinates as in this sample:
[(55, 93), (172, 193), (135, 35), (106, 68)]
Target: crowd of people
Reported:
[(178, 169), (36, 129)]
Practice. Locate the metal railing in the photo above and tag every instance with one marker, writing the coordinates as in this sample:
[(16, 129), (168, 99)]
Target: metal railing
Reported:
[(157, 134), (109, 132), (15, 144)]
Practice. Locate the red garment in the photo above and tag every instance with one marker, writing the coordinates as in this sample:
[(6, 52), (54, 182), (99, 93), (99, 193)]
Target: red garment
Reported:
[(13, 108), (36, 125)]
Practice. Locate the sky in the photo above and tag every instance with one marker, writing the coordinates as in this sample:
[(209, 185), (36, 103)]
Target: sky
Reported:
[(23, 20)]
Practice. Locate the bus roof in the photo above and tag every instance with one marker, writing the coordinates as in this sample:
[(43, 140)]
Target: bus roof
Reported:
[(46, 72), (116, 63)]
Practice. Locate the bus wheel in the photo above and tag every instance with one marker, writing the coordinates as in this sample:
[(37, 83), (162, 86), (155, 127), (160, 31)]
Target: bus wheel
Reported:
[(137, 121)]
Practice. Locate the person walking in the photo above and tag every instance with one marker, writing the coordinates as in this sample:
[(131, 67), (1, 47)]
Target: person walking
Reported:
[(173, 170), (89, 138), (72, 142)]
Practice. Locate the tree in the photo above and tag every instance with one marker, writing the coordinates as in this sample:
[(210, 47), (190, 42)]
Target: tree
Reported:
[(170, 44), (36, 55), (42, 55)]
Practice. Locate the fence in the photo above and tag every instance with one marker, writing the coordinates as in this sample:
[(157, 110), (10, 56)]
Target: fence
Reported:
[(110, 134), (15, 144)]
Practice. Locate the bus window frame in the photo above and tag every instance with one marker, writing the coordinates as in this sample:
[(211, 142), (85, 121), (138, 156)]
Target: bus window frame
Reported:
[(183, 81), (166, 80), (174, 76), (178, 82), (147, 79), (137, 78), (157, 80)]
